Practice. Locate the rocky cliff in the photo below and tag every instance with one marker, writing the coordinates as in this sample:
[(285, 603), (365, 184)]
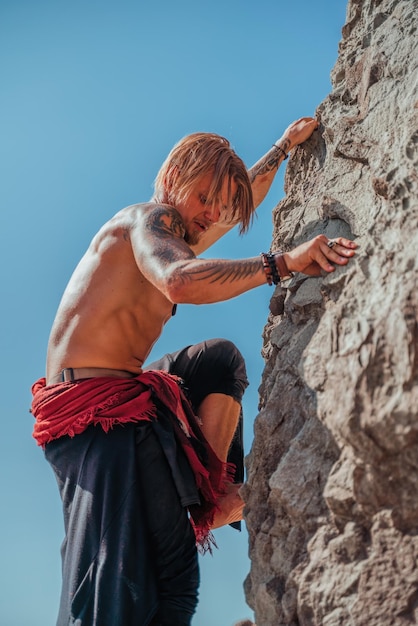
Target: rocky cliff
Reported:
[(332, 491)]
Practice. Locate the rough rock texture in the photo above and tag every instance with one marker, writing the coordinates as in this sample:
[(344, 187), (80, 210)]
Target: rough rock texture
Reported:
[(332, 491)]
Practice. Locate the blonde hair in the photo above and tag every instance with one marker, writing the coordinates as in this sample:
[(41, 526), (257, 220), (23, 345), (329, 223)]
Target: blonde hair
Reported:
[(192, 158)]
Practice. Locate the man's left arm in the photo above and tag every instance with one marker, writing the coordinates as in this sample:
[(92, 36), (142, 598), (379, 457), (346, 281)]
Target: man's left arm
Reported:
[(262, 174)]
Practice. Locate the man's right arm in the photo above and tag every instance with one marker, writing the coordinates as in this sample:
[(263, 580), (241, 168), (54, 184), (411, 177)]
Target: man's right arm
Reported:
[(167, 262)]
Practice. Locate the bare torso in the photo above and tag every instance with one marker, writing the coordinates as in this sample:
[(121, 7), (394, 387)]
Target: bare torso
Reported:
[(110, 315), (139, 264)]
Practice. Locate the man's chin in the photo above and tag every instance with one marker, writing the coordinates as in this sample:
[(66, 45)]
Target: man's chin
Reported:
[(192, 238)]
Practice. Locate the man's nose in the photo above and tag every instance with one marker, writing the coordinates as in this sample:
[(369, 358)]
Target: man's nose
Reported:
[(213, 213)]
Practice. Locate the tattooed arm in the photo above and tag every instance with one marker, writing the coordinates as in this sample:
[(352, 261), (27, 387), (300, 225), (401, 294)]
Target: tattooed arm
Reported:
[(170, 265), (263, 172)]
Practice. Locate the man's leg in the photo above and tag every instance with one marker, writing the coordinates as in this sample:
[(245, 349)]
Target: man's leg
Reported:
[(219, 414), (215, 377), (173, 541), (107, 566)]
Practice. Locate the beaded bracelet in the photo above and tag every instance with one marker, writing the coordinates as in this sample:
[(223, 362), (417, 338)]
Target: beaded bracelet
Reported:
[(275, 267), (270, 269), (266, 267), (285, 154)]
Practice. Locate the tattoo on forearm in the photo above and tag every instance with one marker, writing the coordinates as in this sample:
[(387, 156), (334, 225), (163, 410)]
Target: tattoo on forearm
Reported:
[(222, 271), (270, 161)]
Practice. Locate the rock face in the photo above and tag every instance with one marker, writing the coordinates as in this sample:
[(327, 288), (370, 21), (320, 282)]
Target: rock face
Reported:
[(332, 491)]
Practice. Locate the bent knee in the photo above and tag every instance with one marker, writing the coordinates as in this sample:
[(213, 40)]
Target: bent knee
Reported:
[(226, 351), (229, 364)]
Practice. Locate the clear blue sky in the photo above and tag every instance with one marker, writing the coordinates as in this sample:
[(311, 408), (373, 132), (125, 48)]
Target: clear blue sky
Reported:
[(93, 96)]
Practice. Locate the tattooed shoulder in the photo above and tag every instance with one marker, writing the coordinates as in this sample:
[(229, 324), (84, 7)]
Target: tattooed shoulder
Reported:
[(165, 221)]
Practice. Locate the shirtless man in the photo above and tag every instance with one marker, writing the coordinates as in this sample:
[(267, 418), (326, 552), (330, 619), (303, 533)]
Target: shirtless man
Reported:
[(139, 266)]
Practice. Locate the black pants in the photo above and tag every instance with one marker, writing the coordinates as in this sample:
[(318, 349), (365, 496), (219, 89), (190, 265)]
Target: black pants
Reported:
[(171, 536), (129, 556)]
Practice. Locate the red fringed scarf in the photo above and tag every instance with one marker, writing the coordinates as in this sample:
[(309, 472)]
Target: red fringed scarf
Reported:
[(69, 408)]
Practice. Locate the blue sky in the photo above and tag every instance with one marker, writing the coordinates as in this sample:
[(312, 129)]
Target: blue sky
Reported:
[(93, 96)]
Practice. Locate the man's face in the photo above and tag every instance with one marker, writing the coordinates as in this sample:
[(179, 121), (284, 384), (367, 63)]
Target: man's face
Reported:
[(197, 214)]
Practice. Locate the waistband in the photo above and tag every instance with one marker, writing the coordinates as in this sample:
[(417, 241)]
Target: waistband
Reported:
[(70, 374)]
